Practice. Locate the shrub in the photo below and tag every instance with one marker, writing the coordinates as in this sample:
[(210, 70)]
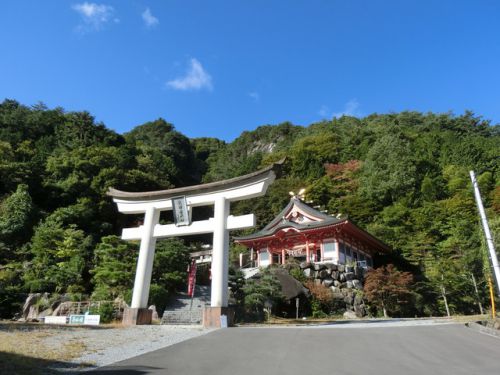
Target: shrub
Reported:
[(158, 296)]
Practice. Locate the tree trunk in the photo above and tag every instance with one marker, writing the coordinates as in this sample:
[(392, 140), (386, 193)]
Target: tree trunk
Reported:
[(443, 294), (477, 294), (384, 310)]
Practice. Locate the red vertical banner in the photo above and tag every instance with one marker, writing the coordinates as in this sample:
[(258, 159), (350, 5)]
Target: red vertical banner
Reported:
[(191, 277)]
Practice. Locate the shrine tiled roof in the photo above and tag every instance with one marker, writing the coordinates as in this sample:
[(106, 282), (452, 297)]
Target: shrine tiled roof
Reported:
[(301, 206), (281, 222)]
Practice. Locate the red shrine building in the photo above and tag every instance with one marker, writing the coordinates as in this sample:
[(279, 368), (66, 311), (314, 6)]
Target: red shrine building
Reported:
[(306, 234)]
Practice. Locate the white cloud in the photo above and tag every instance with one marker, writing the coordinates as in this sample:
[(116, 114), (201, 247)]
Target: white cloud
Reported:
[(196, 78), (351, 108), (94, 16), (149, 19), (254, 95)]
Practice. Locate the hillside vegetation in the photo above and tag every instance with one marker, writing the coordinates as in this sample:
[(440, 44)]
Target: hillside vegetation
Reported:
[(402, 176)]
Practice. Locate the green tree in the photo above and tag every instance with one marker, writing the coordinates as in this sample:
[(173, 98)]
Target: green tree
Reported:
[(260, 293), (170, 264), (389, 170), (114, 268), (59, 263), (15, 217)]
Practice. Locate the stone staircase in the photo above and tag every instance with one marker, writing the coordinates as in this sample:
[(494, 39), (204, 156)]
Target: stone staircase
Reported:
[(179, 311)]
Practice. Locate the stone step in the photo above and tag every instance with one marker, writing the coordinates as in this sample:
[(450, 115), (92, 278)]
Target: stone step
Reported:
[(182, 317), (184, 310)]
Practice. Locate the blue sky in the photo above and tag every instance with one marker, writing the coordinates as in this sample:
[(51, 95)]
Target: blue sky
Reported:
[(217, 68)]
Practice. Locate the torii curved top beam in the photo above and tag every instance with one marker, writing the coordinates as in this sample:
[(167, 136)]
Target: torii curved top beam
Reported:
[(208, 188), (248, 186)]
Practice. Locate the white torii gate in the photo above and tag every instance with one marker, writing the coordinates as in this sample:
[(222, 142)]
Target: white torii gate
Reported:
[(220, 194)]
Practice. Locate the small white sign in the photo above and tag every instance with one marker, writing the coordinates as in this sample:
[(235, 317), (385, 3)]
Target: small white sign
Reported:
[(223, 321), (92, 320), (55, 320)]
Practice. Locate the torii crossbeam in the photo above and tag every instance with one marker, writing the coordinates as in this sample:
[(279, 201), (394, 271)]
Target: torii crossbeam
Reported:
[(219, 194)]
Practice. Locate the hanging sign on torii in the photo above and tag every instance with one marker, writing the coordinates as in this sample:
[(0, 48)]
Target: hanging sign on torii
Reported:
[(219, 194)]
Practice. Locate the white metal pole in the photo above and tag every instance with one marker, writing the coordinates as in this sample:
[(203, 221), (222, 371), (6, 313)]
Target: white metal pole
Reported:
[(487, 233)]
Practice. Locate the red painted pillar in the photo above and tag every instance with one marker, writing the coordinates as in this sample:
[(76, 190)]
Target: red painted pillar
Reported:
[(282, 256)]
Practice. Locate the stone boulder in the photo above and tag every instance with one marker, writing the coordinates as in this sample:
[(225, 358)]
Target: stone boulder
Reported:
[(357, 284), (304, 265), (28, 307), (319, 266), (323, 274), (349, 275), (331, 266), (338, 296), (350, 315), (327, 282), (155, 313)]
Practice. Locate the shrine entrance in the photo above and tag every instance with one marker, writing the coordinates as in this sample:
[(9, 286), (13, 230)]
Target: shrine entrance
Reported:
[(181, 200)]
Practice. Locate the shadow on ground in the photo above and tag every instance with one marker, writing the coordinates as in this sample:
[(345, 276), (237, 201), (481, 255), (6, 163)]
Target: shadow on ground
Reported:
[(135, 370), (17, 364)]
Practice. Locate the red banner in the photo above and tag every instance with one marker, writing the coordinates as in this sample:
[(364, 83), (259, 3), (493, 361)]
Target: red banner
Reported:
[(191, 278)]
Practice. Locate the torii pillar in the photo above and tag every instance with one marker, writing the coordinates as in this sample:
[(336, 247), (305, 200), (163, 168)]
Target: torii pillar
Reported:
[(219, 194)]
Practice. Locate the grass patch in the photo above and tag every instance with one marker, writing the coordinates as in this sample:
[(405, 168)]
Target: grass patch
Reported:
[(29, 349)]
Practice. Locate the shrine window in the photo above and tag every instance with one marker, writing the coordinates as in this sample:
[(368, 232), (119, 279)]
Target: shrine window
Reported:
[(348, 254), (264, 260), (329, 250), (341, 253)]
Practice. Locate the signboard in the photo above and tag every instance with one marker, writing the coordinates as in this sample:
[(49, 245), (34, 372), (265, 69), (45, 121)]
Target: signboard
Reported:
[(76, 319), (296, 252), (181, 212), (223, 321), (191, 278), (92, 320), (55, 320)]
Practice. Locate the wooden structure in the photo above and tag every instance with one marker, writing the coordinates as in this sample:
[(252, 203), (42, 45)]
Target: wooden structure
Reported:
[(306, 234)]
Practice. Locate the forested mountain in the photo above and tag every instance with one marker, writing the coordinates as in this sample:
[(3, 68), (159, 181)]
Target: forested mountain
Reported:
[(402, 176)]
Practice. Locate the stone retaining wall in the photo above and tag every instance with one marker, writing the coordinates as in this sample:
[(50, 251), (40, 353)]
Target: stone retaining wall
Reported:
[(345, 282)]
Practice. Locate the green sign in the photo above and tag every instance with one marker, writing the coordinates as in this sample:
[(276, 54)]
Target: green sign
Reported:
[(76, 319)]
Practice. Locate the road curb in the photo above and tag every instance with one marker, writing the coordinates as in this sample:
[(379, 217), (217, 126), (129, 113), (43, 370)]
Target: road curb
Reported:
[(482, 329)]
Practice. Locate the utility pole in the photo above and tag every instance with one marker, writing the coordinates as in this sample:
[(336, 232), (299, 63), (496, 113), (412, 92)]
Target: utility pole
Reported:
[(487, 233)]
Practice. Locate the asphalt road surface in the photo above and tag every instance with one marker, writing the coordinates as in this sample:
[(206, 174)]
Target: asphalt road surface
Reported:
[(362, 348)]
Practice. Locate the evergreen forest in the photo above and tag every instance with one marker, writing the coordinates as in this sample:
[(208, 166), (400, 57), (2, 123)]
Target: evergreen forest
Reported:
[(404, 177)]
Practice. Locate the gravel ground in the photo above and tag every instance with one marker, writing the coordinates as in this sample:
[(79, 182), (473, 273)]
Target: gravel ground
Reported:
[(106, 346)]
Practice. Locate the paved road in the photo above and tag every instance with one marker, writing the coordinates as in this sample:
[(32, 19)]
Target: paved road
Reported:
[(388, 349)]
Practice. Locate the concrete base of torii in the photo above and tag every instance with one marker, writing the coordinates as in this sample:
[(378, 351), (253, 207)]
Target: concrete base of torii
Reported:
[(136, 316), (212, 316)]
